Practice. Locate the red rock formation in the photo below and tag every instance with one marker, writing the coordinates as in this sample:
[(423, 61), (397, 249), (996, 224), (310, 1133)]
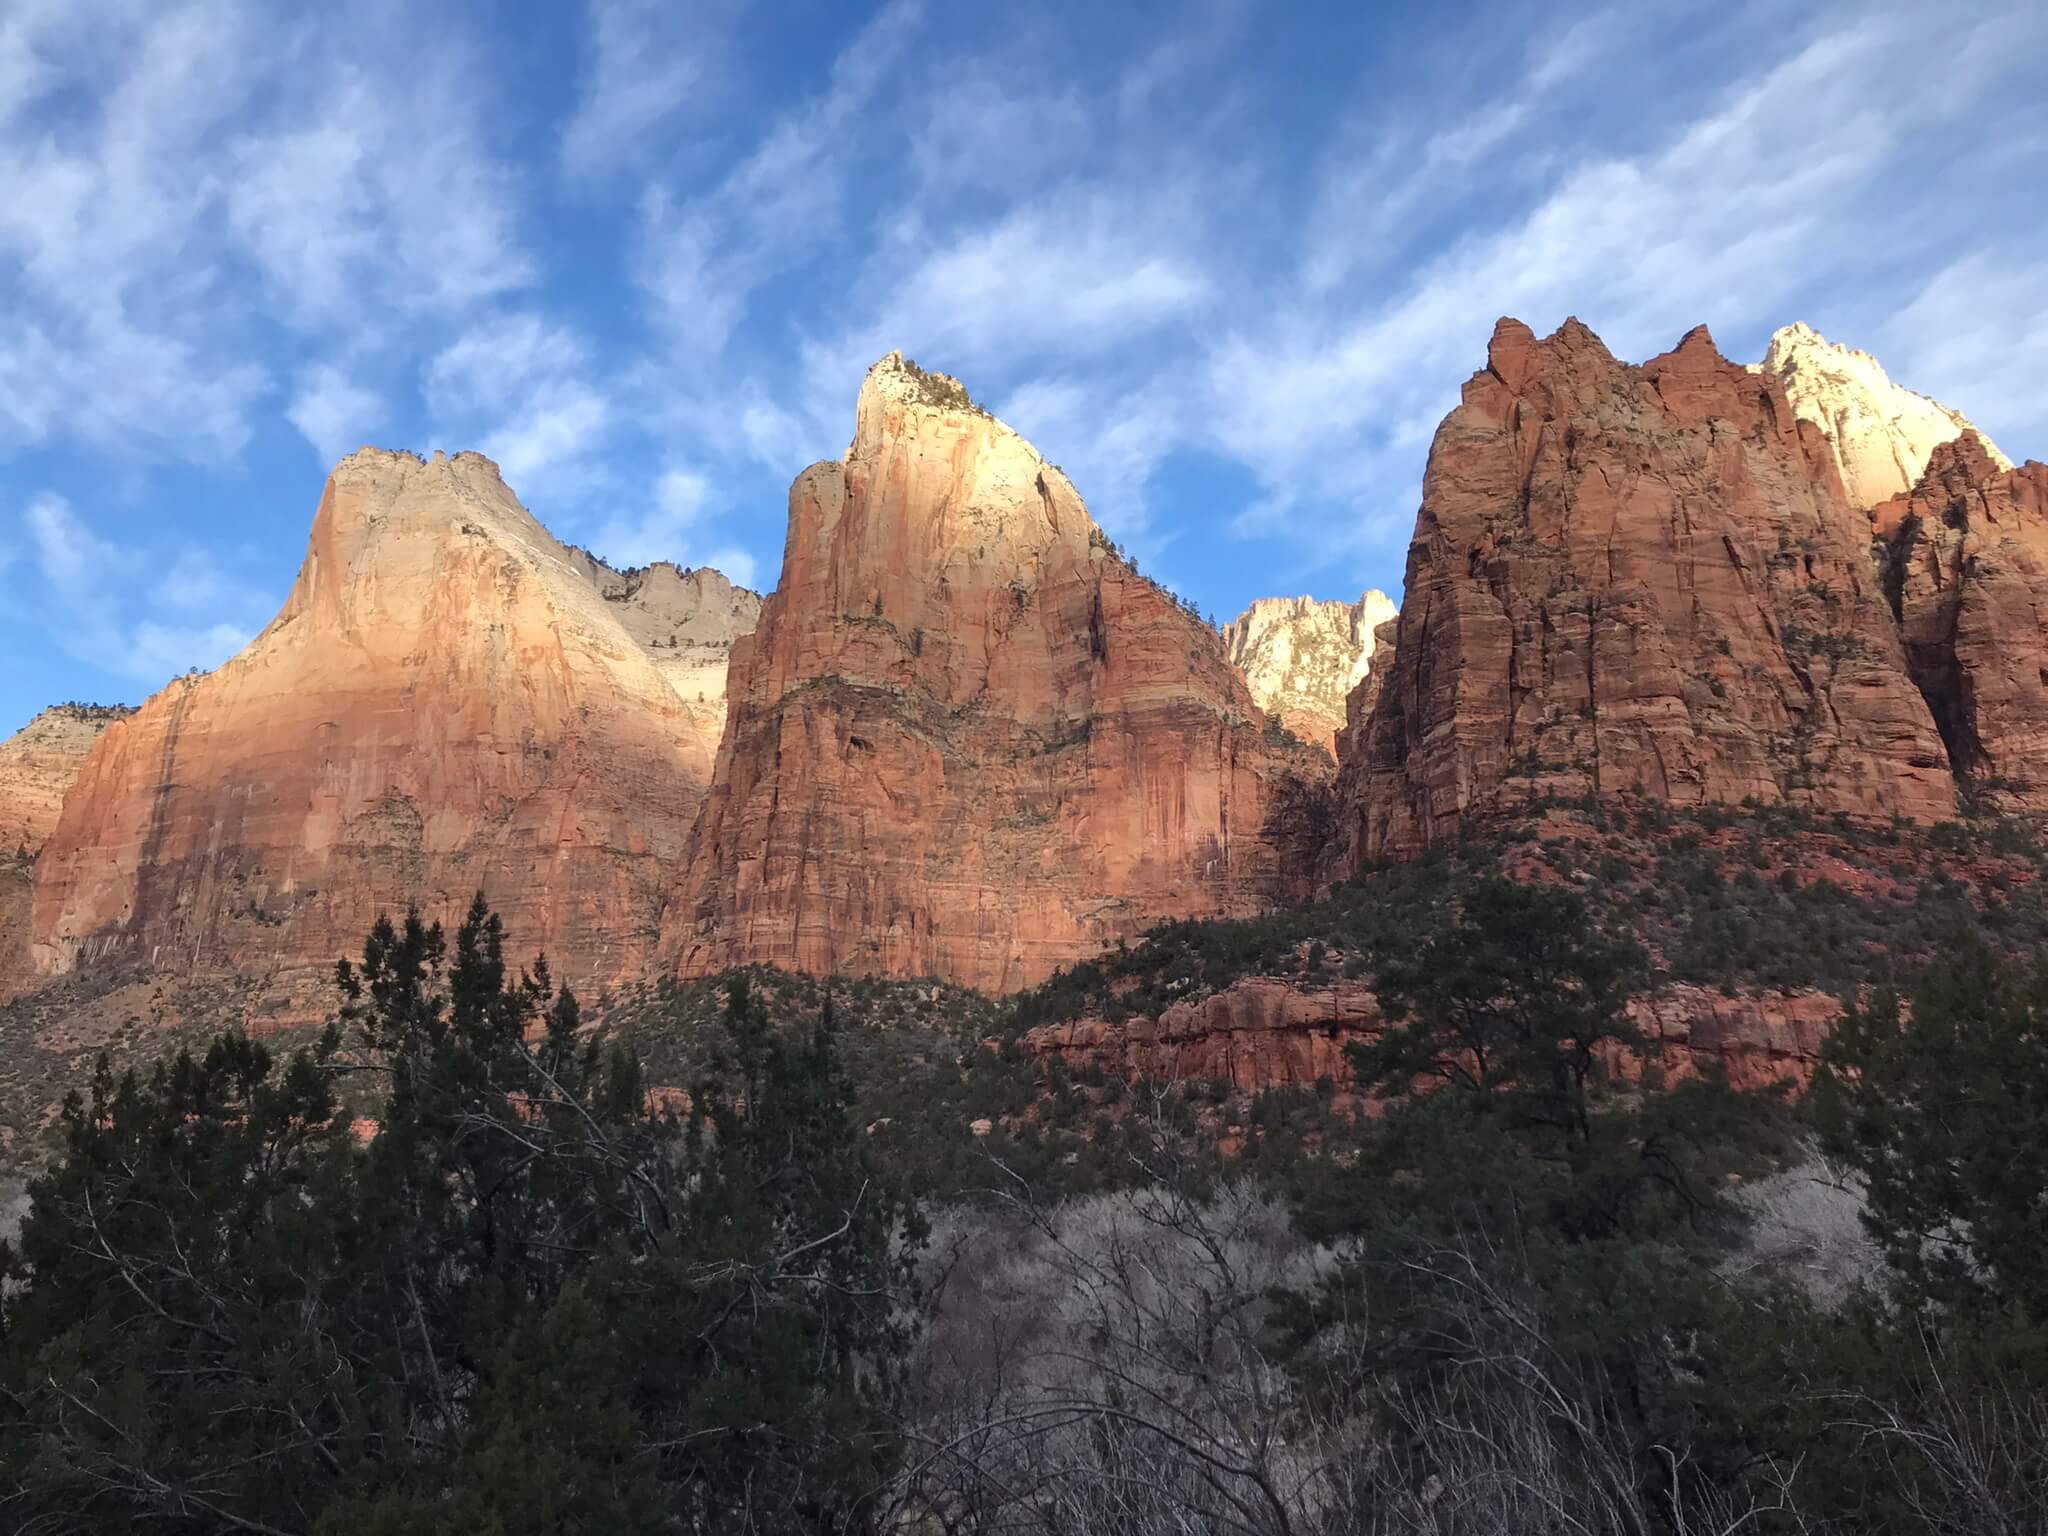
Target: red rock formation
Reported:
[(1635, 579), (37, 766), (1269, 1032), (447, 702), (966, 740), (1965, 558)]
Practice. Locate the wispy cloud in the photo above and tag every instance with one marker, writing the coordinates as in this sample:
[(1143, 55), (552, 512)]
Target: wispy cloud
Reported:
[(702, 258), (182, 214), (332, 412), (1231, 277), (99, 605), (645, 64), (522, 387)]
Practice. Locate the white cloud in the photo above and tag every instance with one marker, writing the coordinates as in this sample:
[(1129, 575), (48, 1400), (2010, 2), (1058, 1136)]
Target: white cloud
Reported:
[(521, 388), (672, 527), (644, 64), (100, 607), (182, 208), (737, 565), (1737, 215), (702, 258), (333, 413), (1974, 338)]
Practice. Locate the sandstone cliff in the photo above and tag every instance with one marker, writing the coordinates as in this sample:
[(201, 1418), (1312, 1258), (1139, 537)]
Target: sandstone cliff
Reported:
[(37, 765), (1965, 566), (1301, 658), (449, 700), (1880, 434), (966, 739), (1636, 579)]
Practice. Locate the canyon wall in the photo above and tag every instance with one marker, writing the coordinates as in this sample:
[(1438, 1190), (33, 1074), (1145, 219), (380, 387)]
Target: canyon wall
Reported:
[(1301, 658), (966, 739), (1965, 566), (1635, 579), (38, 764), (449, 700)]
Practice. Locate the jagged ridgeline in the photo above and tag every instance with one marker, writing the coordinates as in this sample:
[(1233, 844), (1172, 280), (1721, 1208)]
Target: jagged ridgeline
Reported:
[(1700, 760)]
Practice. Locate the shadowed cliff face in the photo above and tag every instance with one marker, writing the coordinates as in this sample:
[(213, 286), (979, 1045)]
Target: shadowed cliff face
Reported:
[(449, 700), (1635, 579), (966, 740), (1965, 567)]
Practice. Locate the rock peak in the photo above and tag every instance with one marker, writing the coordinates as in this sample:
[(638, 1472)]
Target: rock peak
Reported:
[(1302, 657), (450, 699), (1881, 434), (899, 378)]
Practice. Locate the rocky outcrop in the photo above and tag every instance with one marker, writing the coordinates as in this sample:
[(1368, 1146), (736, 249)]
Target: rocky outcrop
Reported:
[(1301, 658), (1268, 1032), (966, 739), (1635, 579), (449, 700), (1880, 434), (1964, 558), (38, 763), (686, 621)]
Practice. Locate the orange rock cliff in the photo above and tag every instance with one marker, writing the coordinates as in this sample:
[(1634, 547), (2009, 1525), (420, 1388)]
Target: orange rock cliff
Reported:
[(449, 700), (1635, 579), (966, 739)]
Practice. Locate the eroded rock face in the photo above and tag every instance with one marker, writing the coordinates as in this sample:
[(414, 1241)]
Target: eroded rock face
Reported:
[(966, 740), (1301, 658), (1267, 1032), (449, 700), (1635, 579), (1880, 434), (1964, 560), (38, 764)]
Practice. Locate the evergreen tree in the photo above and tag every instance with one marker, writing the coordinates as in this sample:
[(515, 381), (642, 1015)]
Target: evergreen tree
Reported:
[(527, 1301)]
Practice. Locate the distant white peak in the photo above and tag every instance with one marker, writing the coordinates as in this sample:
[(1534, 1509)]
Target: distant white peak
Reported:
[(1881, 432)]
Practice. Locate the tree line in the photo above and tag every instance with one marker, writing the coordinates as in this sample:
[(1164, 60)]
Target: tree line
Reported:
[(459, 1267)]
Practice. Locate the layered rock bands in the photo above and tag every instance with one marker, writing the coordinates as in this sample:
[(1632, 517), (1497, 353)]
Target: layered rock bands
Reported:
[(450, 700), (967, 739)]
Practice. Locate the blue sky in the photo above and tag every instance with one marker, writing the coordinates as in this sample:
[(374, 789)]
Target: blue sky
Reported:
[(1226, 262)]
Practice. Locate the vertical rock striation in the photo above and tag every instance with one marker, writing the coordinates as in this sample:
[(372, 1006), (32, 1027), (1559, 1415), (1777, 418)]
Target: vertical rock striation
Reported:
[(1635, 579), (449, 700), (1301, 658), (966, 740), (1965, 566), (1880, 434)]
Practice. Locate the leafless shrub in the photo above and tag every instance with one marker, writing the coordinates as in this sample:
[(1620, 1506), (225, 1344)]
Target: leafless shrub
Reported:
[(1806, 1222), (1969, 1461), (1100, 1366), (1515, 1434)]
